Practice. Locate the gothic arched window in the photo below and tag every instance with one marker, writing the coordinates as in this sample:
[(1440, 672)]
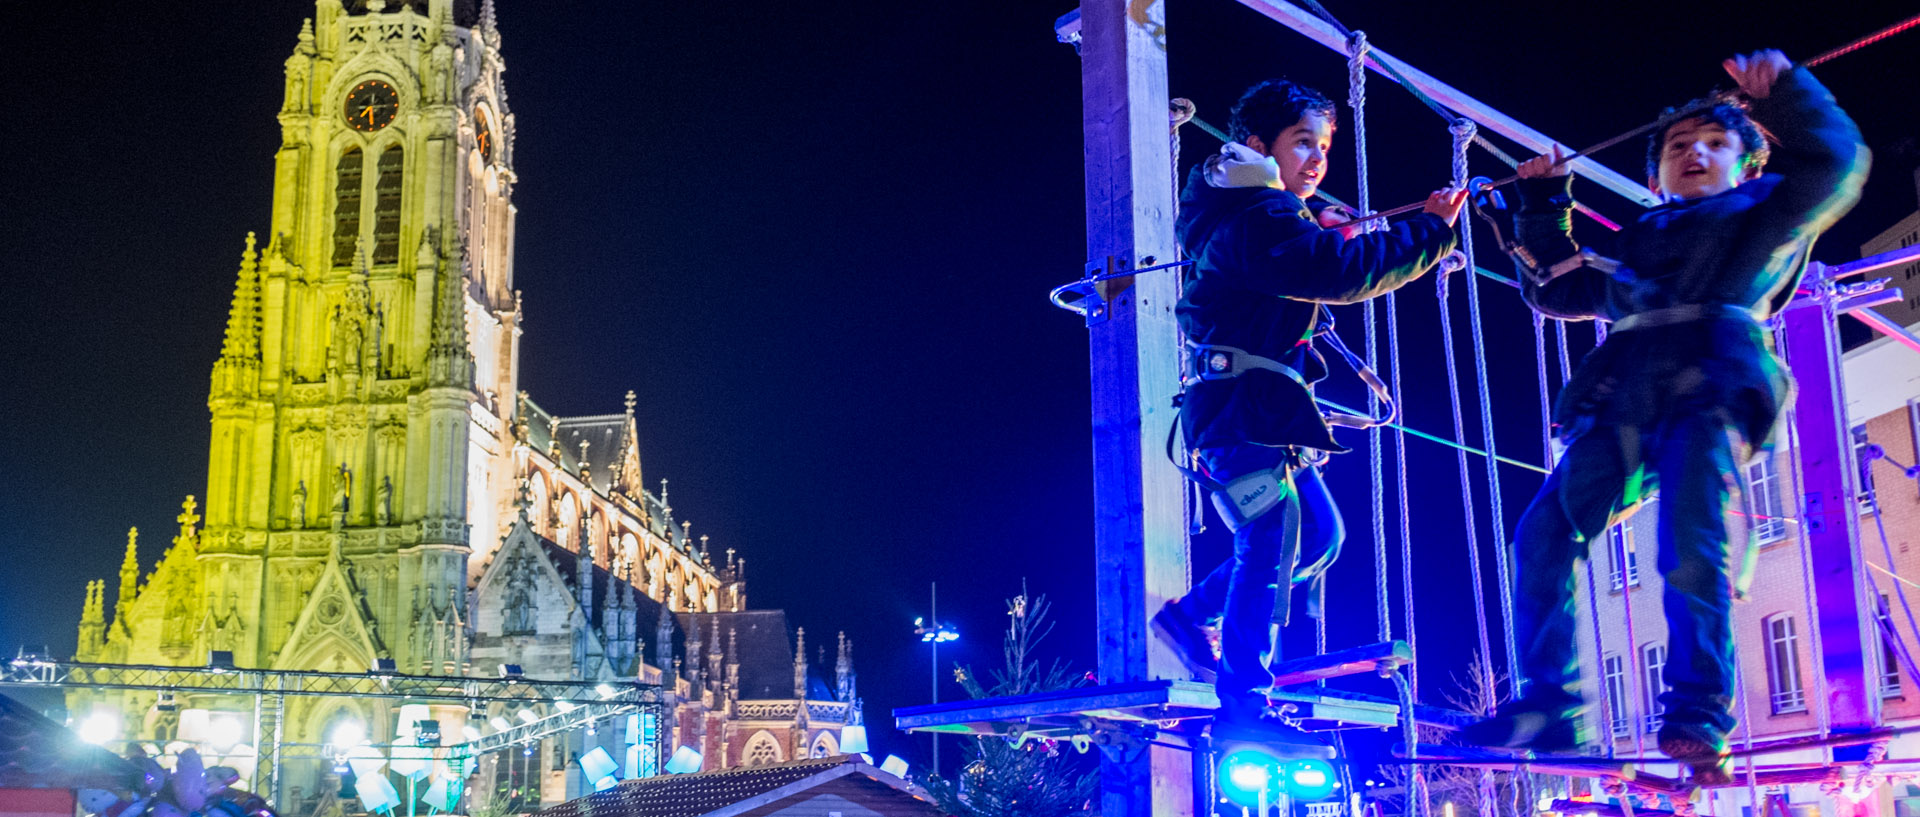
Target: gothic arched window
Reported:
[(825, 745), (537, 508), (346, 206), (762, 749), (566, 530), (630, 549), (386, 206)]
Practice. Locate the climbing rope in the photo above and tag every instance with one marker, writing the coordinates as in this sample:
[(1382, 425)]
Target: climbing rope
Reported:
[(1376, 465), (1463, 133), (1863, 42), (1466, 481)]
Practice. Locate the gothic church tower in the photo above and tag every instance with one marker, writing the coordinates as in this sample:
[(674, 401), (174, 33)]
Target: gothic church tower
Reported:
[(357, 400)]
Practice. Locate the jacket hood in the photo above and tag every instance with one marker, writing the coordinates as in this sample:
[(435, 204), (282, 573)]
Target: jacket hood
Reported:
[(1226, 182)]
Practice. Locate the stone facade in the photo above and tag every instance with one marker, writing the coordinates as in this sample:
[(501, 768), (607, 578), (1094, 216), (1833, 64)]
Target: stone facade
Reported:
[(379, 489)]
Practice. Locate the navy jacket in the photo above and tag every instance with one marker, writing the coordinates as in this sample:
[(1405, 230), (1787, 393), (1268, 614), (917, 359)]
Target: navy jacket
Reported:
[(1746, 247), (1262, 266)]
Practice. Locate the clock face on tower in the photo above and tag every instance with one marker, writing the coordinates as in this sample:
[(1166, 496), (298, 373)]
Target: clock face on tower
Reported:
[(371, 105), (483, 135)]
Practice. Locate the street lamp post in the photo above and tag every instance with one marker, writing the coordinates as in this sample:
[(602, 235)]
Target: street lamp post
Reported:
[(934, 633)]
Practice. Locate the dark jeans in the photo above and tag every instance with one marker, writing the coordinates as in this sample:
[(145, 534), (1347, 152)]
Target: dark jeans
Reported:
[(1245, 593), (1692, 462)]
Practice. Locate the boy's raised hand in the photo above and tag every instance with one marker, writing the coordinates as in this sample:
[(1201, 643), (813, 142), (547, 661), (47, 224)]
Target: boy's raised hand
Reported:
[(1545, 165), (1756, 72), (1446, 203)]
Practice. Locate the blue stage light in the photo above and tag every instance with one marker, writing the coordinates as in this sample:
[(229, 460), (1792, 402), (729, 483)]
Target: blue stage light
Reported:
[(1311, 779), (1245, 775)]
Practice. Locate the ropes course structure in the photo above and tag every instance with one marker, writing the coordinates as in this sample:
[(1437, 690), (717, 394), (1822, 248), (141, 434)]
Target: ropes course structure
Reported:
[(1148, 727)]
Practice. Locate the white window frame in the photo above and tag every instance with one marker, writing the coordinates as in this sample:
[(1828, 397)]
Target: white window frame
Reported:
[(1786, 693), (1766, 514), (1614, 684), (1863, 468), (1889, 662), (1654, 674), (1620, 537)]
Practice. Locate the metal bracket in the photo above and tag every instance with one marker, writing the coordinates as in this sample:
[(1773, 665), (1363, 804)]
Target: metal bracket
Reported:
[(1092, 303)]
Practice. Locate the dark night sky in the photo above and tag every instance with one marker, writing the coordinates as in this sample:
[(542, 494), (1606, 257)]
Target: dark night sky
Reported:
[(816, 238)]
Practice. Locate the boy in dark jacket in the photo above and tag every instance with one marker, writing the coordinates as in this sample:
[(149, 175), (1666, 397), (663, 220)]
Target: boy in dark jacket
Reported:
[(1683, 390), (1263, 264)]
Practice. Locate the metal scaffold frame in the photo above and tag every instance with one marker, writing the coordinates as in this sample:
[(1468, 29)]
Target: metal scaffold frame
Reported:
[(577, 704)]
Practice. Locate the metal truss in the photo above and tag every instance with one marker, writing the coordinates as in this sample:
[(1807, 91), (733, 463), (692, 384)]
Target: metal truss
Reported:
[(37, 672), (578, 717), (576, 704)]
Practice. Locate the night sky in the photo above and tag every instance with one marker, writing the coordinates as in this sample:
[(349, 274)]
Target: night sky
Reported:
[(816, 239)]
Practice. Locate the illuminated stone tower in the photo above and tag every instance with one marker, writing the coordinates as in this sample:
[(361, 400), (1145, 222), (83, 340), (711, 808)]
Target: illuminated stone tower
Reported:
[(351, 400), (356, 401), (379, 489)]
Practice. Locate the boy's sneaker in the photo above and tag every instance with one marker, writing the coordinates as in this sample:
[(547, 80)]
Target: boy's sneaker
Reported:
[(1528, 729), (1702, 747), (1189, 641), (1249, 720)]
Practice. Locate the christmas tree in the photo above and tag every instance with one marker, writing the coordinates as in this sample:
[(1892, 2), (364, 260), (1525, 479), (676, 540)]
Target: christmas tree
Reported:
[(1002, 777)]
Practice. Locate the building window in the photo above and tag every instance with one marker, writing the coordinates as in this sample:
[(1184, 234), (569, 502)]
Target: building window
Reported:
[(761, 750), (346, 206), (1655, 656), (386, 206), (566, 530), (825, 745), (1783, 666), (1765, 514), (1889, 660), (1860, 444), (1618, 724), (1620, 548)]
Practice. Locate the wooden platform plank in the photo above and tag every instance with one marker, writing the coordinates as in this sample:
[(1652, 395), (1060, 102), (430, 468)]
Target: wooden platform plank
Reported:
[(1356, 661), (1138, 701), (1064, 712)]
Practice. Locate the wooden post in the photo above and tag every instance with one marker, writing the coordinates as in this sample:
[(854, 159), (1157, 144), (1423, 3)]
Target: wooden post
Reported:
[(1829, 507), (1139, 547)]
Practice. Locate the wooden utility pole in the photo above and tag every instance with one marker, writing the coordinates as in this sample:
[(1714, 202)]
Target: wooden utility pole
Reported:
[(1140, 550)]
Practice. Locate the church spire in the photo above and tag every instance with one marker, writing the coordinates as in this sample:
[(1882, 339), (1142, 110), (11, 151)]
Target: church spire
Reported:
[(92, 621), (243, 316), (447, 355), (238, 370), (129, 580), (800, 663)]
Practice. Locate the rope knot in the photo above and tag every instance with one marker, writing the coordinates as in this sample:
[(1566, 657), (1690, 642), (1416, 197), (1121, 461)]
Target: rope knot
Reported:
[(1180, 110), (1463, 129), (1357, 46)]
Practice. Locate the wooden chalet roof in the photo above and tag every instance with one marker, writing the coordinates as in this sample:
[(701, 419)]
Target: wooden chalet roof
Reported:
[(749, 790)]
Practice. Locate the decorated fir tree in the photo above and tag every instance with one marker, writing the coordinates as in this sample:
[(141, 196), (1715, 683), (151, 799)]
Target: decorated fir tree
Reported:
[(1034, 778)]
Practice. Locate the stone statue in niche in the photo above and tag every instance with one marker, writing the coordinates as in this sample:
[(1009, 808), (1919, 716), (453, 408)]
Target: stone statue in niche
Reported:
[(299, 518), (342, 495), (383, 502)]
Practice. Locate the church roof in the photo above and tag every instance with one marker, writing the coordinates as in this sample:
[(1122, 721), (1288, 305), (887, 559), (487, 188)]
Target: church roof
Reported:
[(751, 789), (605, 435), (36, 753)]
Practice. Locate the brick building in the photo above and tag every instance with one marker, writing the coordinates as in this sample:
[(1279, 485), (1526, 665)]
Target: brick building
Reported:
[(1774, 632)]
